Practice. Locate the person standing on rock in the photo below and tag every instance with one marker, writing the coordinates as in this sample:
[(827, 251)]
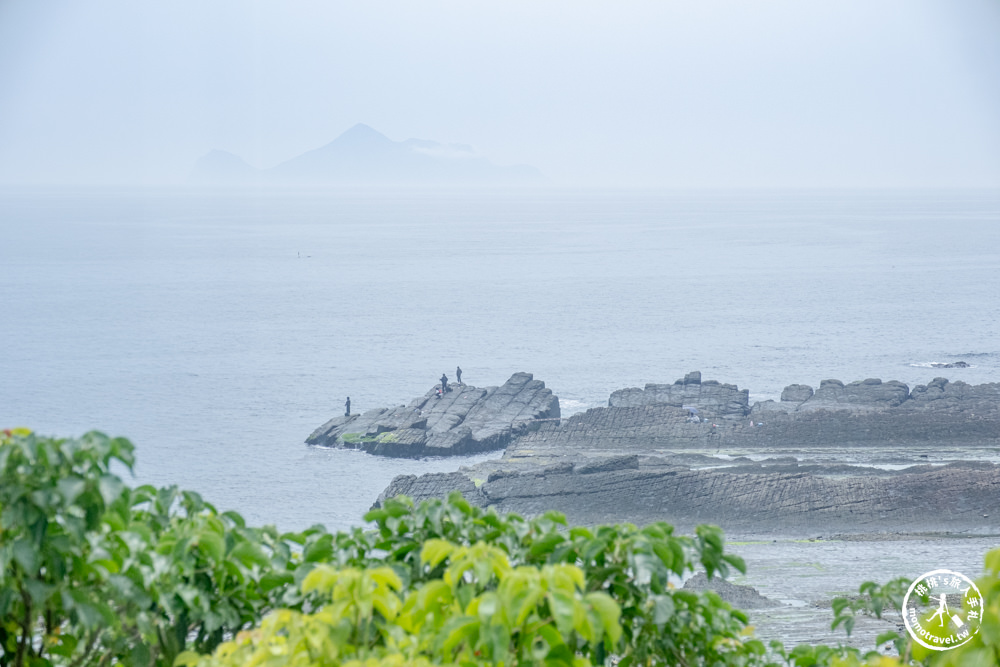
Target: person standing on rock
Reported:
[(347, 407), (444, 383), (458, 375)]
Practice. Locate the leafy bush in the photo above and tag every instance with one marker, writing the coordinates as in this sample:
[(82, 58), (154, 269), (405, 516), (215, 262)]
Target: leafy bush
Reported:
[(97, 573)]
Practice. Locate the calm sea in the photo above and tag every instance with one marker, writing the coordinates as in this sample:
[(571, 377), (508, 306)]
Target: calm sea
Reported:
[(217, 330)]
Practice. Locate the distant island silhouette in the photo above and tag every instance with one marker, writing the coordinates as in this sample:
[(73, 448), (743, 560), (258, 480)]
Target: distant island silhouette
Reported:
[(364, 156)]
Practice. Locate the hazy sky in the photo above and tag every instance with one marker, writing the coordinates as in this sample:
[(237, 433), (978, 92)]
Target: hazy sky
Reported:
[(695, 93)]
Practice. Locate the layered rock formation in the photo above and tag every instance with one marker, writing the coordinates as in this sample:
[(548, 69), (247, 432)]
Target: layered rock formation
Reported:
[(645, 458), (721, 400), (954, 498), (873, 395), (867, 413), (465, 420)]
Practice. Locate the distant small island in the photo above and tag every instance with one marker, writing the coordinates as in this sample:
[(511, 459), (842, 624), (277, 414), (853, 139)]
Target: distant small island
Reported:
[(363, 156)]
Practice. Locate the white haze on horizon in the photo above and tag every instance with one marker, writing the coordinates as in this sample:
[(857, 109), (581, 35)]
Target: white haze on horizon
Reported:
[(783, 93)]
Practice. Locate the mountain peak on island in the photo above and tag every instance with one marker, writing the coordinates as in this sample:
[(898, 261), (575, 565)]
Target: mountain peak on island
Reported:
[(362, 130), (361, 134), (364, 156)]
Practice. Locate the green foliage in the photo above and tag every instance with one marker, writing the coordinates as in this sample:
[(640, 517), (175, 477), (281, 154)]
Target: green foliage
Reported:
[(480, 611), (93, 572), (873, 599), (358, 438), (984, 647), (634, 566)]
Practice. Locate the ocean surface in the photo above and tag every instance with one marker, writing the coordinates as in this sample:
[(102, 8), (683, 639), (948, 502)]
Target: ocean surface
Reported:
[(217, 330)]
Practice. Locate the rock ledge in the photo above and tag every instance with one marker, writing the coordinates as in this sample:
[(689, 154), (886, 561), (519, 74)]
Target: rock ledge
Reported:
[(466, 420)]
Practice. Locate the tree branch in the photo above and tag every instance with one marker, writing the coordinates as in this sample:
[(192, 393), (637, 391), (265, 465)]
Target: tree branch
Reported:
[(87, 651), (25, 630)]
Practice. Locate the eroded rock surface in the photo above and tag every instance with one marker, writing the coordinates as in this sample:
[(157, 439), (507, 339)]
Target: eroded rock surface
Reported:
[(873, 395), (953, 498), (645, 458), (719, 400), (464, 420), (741, 597)]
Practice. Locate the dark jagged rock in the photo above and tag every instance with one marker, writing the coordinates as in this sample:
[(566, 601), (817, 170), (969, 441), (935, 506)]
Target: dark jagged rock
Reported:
[(940, 395), (796, 393), (741, 597), (860, 414), (465, 420), (719, 400), (431, 485), (642, 459), (874, 395), (871, 394), (951, 498)]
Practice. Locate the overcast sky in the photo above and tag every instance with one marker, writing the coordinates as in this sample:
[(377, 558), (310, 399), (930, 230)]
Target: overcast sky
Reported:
[(698, 93)]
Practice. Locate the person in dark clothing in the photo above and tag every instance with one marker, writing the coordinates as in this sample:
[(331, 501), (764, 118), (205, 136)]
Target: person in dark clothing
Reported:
[(347, 407), (458, 375), (444, 383)]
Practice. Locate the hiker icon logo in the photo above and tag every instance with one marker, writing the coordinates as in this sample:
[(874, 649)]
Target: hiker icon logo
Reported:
[(942, 610)]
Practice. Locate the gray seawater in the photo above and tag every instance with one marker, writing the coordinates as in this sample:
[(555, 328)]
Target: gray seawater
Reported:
[(217, 330)]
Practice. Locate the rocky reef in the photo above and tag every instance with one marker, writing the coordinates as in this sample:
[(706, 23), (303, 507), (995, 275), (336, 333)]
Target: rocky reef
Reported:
[(873, 395), (866, 456), (959, 497), (721, 400), (710, 415), (464, 420)]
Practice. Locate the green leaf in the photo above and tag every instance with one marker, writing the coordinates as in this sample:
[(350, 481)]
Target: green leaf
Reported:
[(551, 637), (736, 562), (387, 577), (212, 544), (497, 640), (455, 499), (460, 629), (993, 562), (236, 518), (376, 516), (663, 609), (187, 659), (322, 578), (889, 636), (397, 507), (92, 614), (319, 551), (273, 580), (562, 606), (7, 594), (609, 612), (665, 554), (545, 545), (524, 602), (249, 554), (70, 488), (26, 555), (110, 488), (39, 592), (435, 551)]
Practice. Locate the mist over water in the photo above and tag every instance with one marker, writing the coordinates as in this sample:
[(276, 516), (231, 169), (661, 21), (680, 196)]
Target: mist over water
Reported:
[(218, 330)]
